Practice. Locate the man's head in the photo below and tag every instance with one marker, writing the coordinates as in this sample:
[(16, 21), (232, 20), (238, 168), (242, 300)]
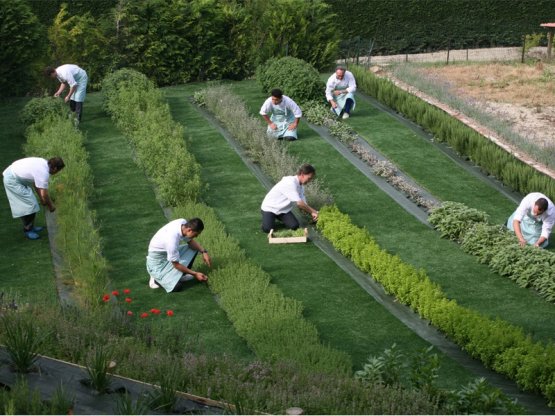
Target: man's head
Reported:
[(50, 72), (306, 173), (277, 96), (55, 164), (192, 227), (340, 72), (540, 206)]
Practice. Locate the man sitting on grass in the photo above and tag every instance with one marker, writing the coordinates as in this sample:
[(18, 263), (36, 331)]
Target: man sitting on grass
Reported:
[(168, 263), (282, 115), (340, 92), (285, 194)]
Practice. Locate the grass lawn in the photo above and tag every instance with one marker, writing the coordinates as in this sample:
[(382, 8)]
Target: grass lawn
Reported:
[(27, 266), (129, 215), (473, 285), (349, 319)]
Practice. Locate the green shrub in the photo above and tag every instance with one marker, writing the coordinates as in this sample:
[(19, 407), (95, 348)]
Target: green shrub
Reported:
[(296, 78), (39, 108)]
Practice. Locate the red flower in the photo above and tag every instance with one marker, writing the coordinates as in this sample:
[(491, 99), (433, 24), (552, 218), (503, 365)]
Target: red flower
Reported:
[(128, 300), (155, 311), (126, 291), (144, 315), (129, 313), (169, 312), (115, 293), (105, 298)]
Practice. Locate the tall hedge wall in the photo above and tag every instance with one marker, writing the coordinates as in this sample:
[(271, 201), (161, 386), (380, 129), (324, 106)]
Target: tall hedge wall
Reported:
[(410, 26)]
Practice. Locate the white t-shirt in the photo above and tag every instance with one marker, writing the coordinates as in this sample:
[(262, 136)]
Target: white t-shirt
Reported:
[(283, 196), (167, 239), (66, 73), (34, 169), (347, 81), (547, 217), (286, 104)]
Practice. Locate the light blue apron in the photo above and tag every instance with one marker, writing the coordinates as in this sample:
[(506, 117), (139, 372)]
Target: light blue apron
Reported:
[(530, 227), (341, 100), (162, 270), (20, 194), (282, 120), (81, 91)]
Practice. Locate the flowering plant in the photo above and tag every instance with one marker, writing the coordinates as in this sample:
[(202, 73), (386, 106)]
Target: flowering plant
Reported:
[(115, 297)]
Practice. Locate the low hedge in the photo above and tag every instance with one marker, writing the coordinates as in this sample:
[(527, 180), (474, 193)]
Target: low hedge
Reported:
[(499, 345), (465, 140), (295, 77), (271, 323), (138, 108), (77, 236), (496, 246)]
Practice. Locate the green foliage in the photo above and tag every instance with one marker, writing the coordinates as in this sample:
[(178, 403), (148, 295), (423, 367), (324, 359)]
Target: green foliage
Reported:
[(139, 109), (21, 37), (532, 40), (39, 108), (289, 233), (80, 39), (296, 78), (412, 26), (466, 141), (498, 344), (19, 400), (452, 219), (22, 340), (97, 365), (301, 29)]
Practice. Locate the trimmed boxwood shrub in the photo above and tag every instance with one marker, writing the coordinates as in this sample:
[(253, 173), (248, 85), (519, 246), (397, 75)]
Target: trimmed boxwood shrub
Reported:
[(40, 108), (296, 78)]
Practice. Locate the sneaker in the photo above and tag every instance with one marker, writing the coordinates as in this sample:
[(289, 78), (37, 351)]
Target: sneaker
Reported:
[(345, 116), (31, 235), (186, 278), (37, 229), (152, 283)]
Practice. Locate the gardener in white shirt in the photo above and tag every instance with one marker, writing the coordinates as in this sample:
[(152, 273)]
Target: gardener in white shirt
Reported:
[(533, 220), (77, 79), (168, 262), (285, 194), (19, 180), (340, 92), (282, 115)]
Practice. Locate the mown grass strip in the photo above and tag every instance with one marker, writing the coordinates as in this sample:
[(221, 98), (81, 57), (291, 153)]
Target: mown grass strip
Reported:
[(461, 277), (349, 319), (26, 268), (269, 331)]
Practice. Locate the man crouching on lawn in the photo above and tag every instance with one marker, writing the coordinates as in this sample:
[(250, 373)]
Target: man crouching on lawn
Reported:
[(168, 263)]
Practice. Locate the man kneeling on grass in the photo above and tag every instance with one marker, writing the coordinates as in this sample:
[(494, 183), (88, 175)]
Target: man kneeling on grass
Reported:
[(168, 263), (285, 194)]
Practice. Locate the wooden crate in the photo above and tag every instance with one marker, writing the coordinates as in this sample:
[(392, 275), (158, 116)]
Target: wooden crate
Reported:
[(285, 240)]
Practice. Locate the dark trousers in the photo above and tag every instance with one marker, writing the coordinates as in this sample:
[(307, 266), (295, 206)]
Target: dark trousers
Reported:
[(77, 108), (28, 221), (269, 220), (348, 105)]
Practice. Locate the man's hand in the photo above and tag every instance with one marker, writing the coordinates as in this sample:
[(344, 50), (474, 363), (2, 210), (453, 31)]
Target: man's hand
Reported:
[(57, 94), (273, 126), (333, 104), (522, 242), (314, 215), (206, 259), (67, 98), (292, 126), (201, 277)]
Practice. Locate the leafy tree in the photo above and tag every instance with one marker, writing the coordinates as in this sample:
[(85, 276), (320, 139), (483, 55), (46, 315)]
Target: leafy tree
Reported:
[(81, 40), (21, 37), (298, 28)]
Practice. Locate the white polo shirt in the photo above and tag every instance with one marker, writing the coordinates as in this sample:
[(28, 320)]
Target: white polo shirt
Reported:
[(33, 169), (66, 73), (286, 104), (283, 196), (547, 217), (168, 238)]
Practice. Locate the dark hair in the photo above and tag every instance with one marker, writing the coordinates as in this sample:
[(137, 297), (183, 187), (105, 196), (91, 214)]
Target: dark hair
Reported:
[(49, 71), (340, 68), (542, 204), (306, 169), (56, 162), (276, 92), (195, 224)]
